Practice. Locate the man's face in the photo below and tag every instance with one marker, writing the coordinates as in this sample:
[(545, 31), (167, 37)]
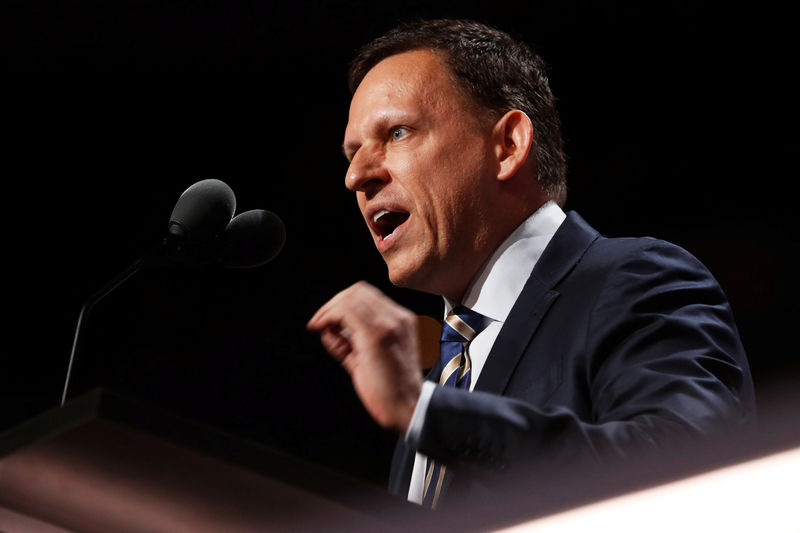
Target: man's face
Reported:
[(421, 164)]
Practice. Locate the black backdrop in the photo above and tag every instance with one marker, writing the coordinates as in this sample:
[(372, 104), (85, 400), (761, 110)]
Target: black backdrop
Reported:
[(677, 118)]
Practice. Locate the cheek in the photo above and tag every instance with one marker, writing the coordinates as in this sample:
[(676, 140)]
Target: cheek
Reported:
[(407, 167), (442, 179), (463, 172)]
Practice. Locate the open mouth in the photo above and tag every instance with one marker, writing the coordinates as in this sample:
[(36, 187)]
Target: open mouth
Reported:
[(385, 222)]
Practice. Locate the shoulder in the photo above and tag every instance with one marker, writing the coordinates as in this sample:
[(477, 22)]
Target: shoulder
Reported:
[(644, 250), (599, 269), (644, 257), (642, 274), (576, 240), (653, 279)]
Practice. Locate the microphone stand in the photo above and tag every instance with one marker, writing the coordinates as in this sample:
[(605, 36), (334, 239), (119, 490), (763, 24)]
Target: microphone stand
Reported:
[(87, 308), (171, 251)]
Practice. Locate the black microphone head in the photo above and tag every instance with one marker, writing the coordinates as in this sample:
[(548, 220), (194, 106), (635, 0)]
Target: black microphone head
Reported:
[(252, 239), (202, 212)]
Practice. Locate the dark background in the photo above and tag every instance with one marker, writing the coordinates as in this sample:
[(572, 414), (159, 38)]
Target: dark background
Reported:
[(678, 119)]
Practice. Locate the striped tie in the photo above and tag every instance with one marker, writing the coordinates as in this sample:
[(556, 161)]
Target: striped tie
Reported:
[(460, 326)]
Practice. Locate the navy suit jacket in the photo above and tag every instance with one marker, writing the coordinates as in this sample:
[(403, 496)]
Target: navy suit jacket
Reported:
[(613, 346)]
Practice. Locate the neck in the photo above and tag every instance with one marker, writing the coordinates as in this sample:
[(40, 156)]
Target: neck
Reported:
[(457, 292)]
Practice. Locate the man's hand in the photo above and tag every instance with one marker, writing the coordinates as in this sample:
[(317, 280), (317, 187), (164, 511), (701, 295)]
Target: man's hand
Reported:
[(376, 341)]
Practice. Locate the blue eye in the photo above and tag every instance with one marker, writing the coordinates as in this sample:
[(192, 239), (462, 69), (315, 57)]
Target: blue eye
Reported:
[(398, 133)]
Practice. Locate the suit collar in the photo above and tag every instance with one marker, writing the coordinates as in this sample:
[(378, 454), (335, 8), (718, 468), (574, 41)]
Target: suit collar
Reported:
[(563, 252), (565, 249)]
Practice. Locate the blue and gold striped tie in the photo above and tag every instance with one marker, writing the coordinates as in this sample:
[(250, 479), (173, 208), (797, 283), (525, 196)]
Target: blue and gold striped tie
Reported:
[(460, 326)]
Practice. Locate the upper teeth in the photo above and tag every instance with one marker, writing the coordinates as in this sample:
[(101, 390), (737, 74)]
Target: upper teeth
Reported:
[(379, 214)]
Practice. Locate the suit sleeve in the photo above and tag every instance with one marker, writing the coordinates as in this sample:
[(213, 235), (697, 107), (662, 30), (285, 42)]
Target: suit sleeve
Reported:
[(662, 360)]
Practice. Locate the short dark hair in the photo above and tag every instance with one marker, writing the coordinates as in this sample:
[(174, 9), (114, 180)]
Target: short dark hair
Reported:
[(496, 71)]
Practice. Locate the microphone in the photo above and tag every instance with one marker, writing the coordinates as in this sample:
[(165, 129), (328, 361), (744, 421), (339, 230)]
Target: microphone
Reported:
[(252, 239), (201, 213), (198, 219)]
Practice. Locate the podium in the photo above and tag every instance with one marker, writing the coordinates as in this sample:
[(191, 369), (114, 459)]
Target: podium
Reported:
[(105, 463)]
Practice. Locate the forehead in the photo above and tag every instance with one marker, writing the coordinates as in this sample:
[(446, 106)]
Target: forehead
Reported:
[(411, 82), (413, 70)]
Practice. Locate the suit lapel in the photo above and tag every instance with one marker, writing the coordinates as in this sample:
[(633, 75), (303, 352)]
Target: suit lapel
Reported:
[(565, 249)]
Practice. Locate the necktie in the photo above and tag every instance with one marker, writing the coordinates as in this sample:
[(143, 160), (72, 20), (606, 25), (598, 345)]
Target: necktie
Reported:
[(460, 326)]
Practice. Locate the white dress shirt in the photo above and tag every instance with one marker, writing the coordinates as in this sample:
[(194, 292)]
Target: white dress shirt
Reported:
[(492, 293)]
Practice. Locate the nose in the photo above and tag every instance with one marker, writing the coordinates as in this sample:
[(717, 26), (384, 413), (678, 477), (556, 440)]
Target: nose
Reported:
[(367, 172)]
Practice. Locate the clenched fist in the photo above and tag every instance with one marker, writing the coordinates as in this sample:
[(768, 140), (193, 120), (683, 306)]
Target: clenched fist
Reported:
[(376, 341)]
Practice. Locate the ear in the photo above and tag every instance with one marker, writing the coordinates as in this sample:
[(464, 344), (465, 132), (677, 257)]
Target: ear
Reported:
[(514, 137)]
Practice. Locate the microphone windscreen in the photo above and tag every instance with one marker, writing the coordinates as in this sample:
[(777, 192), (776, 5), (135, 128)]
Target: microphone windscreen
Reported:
[(252, 239), (203, 211)]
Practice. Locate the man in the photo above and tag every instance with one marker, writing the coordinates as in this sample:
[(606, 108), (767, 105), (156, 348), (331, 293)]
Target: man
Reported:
[(582, 346)]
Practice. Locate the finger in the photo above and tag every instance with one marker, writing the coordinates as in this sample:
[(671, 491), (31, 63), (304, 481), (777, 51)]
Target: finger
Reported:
[(354, 302), (322, 318), (336, 344), (318, 321)]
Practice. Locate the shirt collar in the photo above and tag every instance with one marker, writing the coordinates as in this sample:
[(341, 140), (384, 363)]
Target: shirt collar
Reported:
[(500, 281)]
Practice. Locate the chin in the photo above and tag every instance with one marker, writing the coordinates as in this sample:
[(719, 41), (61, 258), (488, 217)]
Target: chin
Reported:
[(413, 278), (405, 275), (401, 279)]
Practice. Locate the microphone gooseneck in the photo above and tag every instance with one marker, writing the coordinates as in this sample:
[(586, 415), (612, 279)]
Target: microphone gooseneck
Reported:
[(87, 308)]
